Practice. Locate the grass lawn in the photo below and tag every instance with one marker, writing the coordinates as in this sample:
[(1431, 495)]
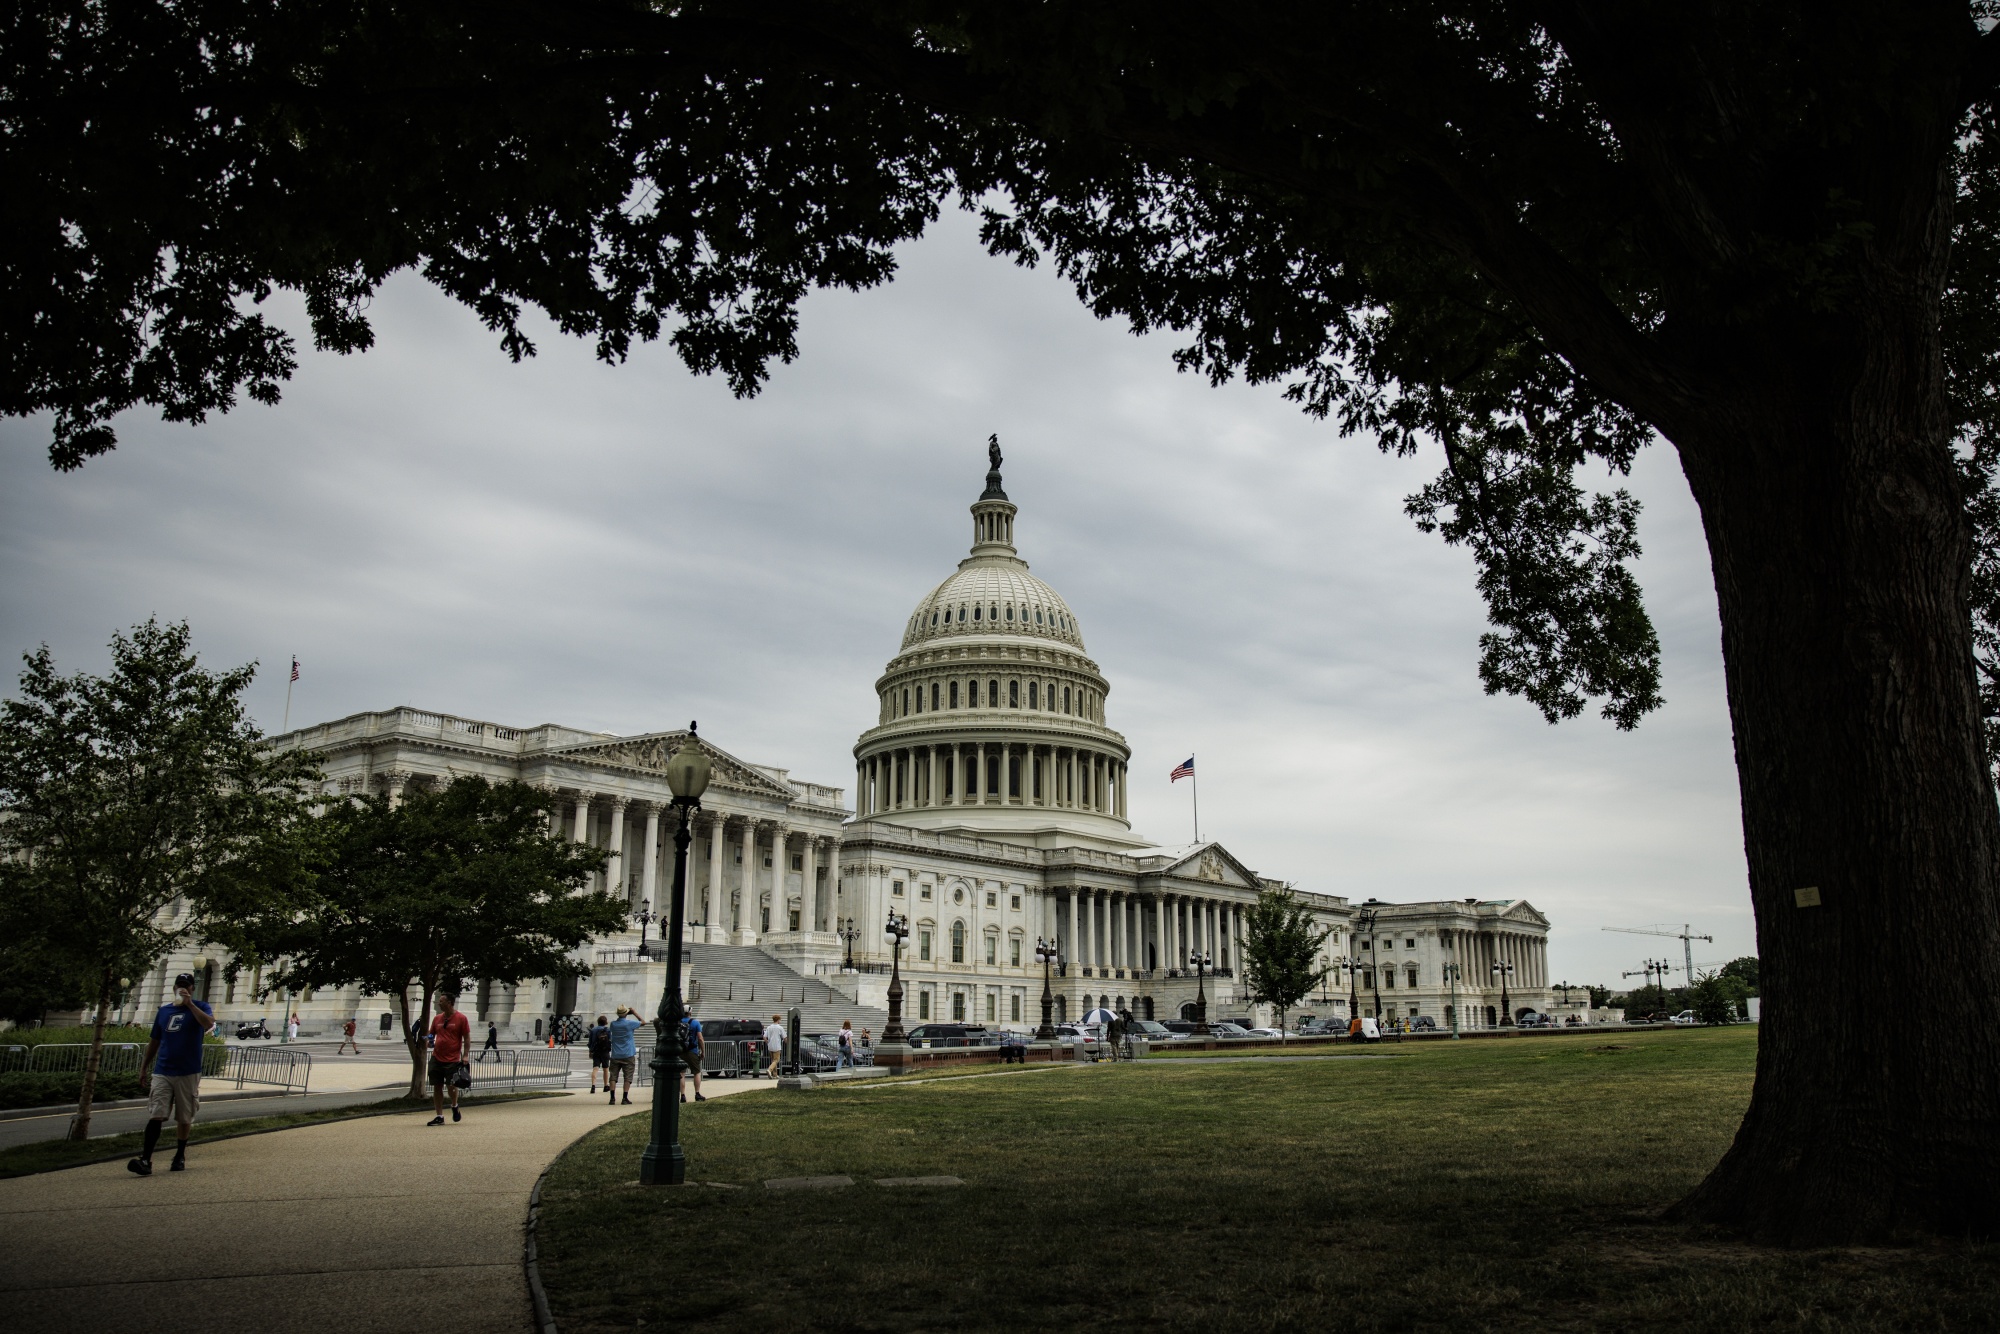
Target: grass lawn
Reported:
[(48, 1155), (1457, 1186)]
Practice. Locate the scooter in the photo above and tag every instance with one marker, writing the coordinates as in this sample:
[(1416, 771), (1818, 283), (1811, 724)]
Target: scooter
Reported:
[(252, 1029)]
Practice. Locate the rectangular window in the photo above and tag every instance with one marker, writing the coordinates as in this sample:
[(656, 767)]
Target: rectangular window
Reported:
[(924, 1004), (798, 861), (1388, 978), (1014, 694), (958, 1006), (1413, 977), (896, 889), (1017, 903), (765, 916), (1014, 955), (1367, 978), (992, 952), (992, 1006), (795, 919), (992, 899), (926, 892), (1364, 945), (1410, 944), (924, 946), (992, 773), (1013, 776), (1014, 1006)]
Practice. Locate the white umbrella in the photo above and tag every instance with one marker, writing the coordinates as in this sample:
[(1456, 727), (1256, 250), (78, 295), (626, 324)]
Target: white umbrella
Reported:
[(1099, 1016)]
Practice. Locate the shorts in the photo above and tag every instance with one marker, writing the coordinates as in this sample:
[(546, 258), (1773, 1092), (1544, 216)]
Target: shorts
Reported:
[(627, 1064), (176, 1096), (443, 1072), (693, 1060), (600, 1061)]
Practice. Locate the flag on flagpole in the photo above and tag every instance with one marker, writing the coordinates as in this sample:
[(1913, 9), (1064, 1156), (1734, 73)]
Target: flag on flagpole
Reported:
[(1185, 771), (295, 669)]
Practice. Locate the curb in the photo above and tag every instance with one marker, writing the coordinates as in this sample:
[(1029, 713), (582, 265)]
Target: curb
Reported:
[(545, 1320)]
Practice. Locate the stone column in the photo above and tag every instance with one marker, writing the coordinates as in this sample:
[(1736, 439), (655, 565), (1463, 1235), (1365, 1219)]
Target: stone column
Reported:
[(745, 918), (781, 860), (1069, 942), (649, 872), (614, 870), (582, 828), (714, 898), (930, 783), (860, 790)]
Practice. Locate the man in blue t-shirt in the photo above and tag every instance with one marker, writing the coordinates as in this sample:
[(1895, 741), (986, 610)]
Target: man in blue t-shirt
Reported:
[(693, 1048), (624, 1051), (170, 1072)]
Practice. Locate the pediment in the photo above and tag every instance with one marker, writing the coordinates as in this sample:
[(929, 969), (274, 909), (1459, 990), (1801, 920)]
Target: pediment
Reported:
[(650, 753), (1520, 910), (1212, 864)]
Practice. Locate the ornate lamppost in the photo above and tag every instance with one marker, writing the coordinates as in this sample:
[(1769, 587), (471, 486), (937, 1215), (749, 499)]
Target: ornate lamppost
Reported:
[(646, 918), (663, 1164), (849, 933), (1200, 960), (898, 931), (1451, 972), (1503, 970), (1046, 951)]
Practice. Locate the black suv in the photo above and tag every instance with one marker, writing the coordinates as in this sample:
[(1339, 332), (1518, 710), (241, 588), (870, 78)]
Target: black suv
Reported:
[(953, 1035)]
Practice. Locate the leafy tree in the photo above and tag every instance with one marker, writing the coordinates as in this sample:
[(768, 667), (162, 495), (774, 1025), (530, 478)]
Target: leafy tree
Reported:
[(413, 897), (1531, 238), (35, 977), (1281, 960), (136, 810), (1600, 997), (1712, 1001), (1743, 970)]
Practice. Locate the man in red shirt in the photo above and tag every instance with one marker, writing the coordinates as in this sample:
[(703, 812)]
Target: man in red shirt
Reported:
[(450, 1031)]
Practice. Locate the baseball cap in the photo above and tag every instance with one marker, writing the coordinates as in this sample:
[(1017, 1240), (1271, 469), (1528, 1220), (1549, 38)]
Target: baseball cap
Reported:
[(184, 980)]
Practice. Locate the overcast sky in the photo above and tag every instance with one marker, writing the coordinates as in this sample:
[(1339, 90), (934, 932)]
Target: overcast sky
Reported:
[(627, 548)]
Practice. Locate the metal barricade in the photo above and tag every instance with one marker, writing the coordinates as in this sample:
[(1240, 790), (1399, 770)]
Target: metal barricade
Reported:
[(70, 1057), (523, 1067), (284, 1068)]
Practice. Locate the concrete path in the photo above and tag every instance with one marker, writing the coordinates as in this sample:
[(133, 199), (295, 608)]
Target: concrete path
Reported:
[(376, 1226)]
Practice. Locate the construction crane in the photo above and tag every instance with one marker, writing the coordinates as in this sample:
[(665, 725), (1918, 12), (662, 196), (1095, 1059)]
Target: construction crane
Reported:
[(1685, 936)]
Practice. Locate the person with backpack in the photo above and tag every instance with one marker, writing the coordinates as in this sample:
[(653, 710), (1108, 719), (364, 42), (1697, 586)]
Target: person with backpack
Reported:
[(846, 1061), (693, 1048), (599, 1042)]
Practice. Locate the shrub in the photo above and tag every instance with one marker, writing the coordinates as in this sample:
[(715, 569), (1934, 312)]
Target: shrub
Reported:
[(41, 1088)]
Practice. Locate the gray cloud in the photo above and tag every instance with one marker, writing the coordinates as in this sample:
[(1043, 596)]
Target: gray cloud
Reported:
[(627, 548)]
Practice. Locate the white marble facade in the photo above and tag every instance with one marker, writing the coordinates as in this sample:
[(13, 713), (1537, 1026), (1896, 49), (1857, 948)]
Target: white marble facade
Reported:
[(990, 809)]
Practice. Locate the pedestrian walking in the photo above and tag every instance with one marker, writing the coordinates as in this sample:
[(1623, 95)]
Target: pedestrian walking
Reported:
[(774, 1045), (450, 1035), (292, 1027), (170, 1073), (492, 1041), (600, 1051), (693, 1048), (624, 1052), (347, 1040), (846, 1061)]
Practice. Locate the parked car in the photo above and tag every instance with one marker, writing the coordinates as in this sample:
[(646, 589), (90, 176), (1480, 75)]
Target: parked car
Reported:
[(1533, 1020), (953, 1035), (1223, 1028), (1684, 1017), (1423, 1023), (1265, 1032), (1154, 1031), (1320, 1028)]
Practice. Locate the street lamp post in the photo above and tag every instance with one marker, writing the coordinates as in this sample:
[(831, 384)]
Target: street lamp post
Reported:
[(849, 933), (1046, 952), (1364, 924), (1504, 970), (898, 931), (1451, 976), (646, 918), (663, 1163), (1200, 961)]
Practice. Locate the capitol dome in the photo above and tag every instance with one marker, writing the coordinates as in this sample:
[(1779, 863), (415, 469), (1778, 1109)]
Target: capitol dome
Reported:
[(991, 714)]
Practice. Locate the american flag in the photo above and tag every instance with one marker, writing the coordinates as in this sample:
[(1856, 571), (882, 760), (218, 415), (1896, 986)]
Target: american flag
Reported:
[(295, 669), (1185, 771)]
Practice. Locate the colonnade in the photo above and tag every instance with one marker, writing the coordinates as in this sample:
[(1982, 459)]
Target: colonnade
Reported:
[(1107, 930), (1528, 953), (712, 901), (990, 773)]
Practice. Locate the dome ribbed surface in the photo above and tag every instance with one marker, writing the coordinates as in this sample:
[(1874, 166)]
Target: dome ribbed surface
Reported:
[(1008, 599)]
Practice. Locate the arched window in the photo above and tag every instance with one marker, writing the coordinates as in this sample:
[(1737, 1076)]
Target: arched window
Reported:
[(975, 613), (1065, 699), (1014, 694), (1010, 613), (954, 694), (961, 611), (958, 942), (993, 612), (1032, 696), (934, 617), (992, 694), (906, 700), (972, 694), (934, 696), (1038, 616)]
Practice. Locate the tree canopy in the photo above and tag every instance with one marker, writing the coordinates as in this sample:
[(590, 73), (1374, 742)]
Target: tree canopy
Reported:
[(412, 897), (139, 812), (1281, 958)]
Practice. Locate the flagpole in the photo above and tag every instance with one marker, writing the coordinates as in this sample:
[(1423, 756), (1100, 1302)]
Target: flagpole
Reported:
[(290, 679), (1196, 777)]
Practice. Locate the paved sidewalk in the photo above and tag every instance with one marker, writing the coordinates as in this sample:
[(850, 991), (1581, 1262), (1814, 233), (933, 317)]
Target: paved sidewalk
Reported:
[(376, 1226)]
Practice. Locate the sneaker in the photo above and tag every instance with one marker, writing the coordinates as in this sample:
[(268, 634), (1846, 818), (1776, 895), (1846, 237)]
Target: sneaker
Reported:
[(179, 1164), (454, 1114), (701, 1097), (684, 1097), (628, 1100), (140, 1166), (435, 1121)]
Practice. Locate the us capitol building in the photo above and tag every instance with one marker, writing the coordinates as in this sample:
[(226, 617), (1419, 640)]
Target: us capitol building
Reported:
[(989, 810)]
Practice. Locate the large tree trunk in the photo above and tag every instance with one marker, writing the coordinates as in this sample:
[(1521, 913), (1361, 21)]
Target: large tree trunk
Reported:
[(1841, 558), (79, 1125), (412, 1042)]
